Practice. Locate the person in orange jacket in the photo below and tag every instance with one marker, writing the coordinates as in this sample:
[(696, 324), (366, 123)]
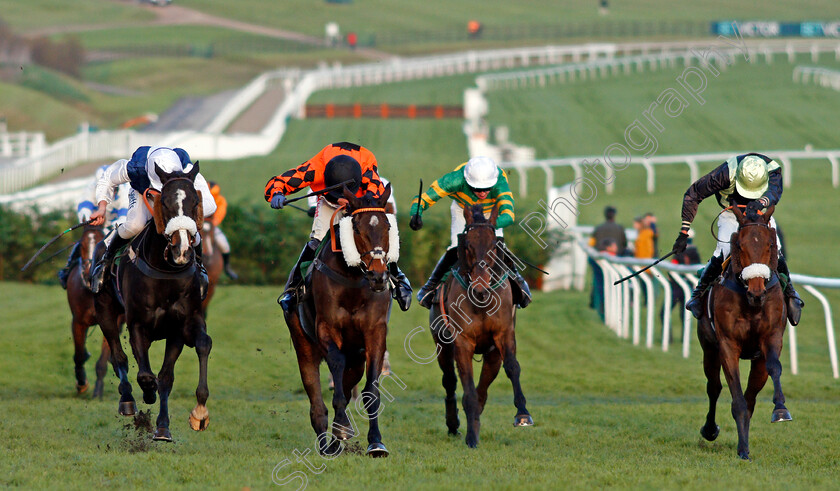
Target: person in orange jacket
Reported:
[(219, 236)]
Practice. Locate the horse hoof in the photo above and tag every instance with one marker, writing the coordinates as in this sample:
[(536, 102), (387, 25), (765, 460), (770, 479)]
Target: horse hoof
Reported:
[(128, 408), (454, 432), (162, 435), (376, 450), (342, 433), (199, 418), (744, 456), (780, 415), (523, 420), (710, 436), (472, 442), (81, 389), (149, 397)]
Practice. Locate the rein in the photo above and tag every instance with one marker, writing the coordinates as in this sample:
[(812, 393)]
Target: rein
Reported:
[(712, 226)]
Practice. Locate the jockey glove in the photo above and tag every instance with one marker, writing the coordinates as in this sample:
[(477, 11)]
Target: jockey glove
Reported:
[(681, 243), (753, 208), (278, 201), (416, 222)]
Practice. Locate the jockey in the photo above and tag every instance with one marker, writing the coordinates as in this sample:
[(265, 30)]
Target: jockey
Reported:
[(390, 206), (333, 165), (139, 171), (115, 215), (219, 236), (477, 181), (752, 180)]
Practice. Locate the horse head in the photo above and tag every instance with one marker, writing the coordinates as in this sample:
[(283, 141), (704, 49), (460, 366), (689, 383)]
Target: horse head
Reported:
[(479, 238), (374, 234), (90, 237), (178, 213), (755, 254)]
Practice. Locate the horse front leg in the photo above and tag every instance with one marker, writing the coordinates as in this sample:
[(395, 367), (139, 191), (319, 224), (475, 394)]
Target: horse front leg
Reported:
[(711, 367), (489, 371), (729, 356), (464, 352), (512, 370), (199, 416), (772, 351), (337, 361), (80, 354), (375, 358), (758, 377), (446, 361), (140, 344), (101, 369), (166, 377)]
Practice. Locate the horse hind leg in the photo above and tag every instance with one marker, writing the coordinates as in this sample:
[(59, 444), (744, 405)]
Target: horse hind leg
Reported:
[(711, 367), (774, 369), (166, 378), (199, 416), (101, 370), (512, 370), (80, 355), (107, 320), (450, 383)]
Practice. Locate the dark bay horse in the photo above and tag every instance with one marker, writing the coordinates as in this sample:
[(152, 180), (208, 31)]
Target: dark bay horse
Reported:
[(475, 314), (747, 322), (80, 299), (350, 300), (211, 256), (158, 282)]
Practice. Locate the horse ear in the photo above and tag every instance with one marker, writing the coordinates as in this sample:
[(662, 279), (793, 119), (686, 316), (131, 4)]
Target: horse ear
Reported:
[(468, 216), (767, 214), (162, 174), (157, 213), (352, 200), (199, 208), (385, 195), (494, 214), (739, 215), (193, 172)]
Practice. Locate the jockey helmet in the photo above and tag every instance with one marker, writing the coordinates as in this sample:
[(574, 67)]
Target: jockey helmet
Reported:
[(481, 173), (166, 159), (339, 169), (751, 179)]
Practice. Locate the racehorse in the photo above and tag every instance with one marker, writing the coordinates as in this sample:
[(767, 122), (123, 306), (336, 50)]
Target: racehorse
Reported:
[(478, 290), (747, 322), (211, 256), (158, 282), (347, 304), (80, 299)]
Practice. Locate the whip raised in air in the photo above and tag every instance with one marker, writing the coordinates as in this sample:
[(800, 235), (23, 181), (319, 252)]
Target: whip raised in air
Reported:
[(637, 273), (51, 242)]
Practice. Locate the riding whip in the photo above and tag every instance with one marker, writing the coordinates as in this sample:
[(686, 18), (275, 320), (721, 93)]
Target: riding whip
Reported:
[(53, 255), (637, 273), (316, 193), (419, 198), (51, 242)]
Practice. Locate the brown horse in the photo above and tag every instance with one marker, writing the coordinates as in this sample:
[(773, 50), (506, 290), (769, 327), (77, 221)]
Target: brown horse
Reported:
[(211, 256), (348, 302), (158, 282), (747, 322), (80, 299), (478, 291)]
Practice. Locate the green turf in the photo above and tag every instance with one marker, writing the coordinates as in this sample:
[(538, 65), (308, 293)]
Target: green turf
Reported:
[(39, 14), (607, 414)]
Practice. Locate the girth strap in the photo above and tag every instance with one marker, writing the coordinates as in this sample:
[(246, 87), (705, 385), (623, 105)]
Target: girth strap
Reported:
[(157, 274), (336, 277)]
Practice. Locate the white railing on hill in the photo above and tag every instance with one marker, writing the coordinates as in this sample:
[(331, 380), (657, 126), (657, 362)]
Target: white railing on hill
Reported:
[(623, 303), (785, 157), (21, 144), (818, 75)]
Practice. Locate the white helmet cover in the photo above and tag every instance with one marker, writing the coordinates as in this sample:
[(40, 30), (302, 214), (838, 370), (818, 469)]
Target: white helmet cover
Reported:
[(167, 160), (752, 177), (481, 173)]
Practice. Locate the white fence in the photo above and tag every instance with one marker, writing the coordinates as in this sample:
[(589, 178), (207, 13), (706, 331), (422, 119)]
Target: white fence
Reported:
[(21, 144), (690, 160), (623, 303), (818, 75)]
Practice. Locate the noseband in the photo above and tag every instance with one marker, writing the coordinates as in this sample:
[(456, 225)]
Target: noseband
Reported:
[(160, 193), (755, 270)]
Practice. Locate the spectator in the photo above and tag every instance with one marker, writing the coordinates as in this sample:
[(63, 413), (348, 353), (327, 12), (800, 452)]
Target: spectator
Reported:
[(352, 39), (596, 297), (650, 221), (690, 256), (609, 230), (644, 245), (474, 29)]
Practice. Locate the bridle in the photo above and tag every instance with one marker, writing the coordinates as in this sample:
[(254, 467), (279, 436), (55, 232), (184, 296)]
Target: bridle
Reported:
[(157, 194), (377, 253), (474, 225)]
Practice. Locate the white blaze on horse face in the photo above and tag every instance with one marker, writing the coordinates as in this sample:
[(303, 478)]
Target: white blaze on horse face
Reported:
[(374, 221), (184, 225), (180, 195)]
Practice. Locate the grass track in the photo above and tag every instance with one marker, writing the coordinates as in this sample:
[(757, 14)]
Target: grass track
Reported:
[(600, 422)]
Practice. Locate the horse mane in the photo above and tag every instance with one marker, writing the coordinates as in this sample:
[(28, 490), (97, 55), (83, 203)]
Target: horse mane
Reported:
[(735, 255)]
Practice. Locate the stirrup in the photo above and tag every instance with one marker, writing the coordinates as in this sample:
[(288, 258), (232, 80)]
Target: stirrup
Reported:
[(98, 276), (426, 297), (288, 300)]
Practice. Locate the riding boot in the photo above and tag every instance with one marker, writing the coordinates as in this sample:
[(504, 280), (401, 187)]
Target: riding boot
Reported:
[(402, 289), (103, 267), (794, 302), (515, 275), (228, 270), (427, 292), (288, 301), (712, 271), (64, 273), (203, 279)]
